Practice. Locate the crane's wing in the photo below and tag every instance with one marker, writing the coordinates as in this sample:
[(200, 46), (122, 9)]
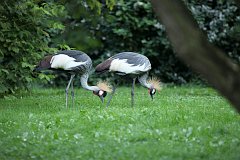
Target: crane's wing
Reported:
[(125, 63), (78, 55), (72, 60)]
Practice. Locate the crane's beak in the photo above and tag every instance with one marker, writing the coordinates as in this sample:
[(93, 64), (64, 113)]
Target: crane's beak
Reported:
[(102, 98), (151, 96)]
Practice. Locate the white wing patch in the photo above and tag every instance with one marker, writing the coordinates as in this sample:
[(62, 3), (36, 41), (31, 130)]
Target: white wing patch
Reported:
[(121, 65), (62, 61)]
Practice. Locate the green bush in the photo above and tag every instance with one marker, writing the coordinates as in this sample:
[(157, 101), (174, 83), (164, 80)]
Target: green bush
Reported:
[(26, 30), (220, 20), (132, 26)]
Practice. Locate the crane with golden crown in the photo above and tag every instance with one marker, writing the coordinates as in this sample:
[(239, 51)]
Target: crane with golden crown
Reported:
[(75, 63), (133, 65)]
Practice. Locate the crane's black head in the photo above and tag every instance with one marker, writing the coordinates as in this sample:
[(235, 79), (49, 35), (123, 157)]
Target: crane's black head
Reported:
[(152, 91), (101, 94)]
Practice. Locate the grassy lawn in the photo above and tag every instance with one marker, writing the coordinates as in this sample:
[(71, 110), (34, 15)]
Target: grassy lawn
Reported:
[(181, 123)]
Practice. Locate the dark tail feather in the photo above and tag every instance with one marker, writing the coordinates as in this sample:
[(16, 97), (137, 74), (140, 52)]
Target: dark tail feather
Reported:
[(103, 67)]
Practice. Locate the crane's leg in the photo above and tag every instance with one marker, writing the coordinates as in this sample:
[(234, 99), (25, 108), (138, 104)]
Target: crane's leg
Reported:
[(110, 98), (113, 91), (72, 93), (70, 81), (132, 92)]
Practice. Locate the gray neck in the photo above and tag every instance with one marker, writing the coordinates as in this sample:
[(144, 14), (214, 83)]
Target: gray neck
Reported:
[(143, 80), (84, 80)]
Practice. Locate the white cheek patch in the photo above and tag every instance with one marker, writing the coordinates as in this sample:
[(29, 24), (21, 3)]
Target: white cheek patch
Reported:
[(153, 91), (101, 93)]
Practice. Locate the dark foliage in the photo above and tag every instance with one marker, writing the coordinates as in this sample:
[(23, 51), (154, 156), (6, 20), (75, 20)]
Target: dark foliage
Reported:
[(26, 30), (131, 26)]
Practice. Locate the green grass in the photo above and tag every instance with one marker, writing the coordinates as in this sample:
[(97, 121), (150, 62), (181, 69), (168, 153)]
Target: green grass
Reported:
[(181, 123)]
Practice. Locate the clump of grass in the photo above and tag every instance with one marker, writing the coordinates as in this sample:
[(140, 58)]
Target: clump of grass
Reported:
[(181, 123)]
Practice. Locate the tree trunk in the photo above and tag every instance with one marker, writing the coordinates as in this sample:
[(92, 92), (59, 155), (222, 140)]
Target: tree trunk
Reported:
[(192, 46)]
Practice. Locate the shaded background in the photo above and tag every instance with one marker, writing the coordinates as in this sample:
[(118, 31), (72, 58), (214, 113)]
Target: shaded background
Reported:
[(31, 29)]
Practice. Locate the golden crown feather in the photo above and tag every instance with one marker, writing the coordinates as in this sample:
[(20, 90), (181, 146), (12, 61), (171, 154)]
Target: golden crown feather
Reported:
[(155, 82), (105, 86)]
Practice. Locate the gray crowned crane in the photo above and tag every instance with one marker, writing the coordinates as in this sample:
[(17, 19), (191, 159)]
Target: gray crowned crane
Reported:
[(132, 65), (75, 63)]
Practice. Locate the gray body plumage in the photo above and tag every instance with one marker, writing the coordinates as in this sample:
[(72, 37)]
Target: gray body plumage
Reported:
[(79, 57), (133, 58), (125, 63)]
